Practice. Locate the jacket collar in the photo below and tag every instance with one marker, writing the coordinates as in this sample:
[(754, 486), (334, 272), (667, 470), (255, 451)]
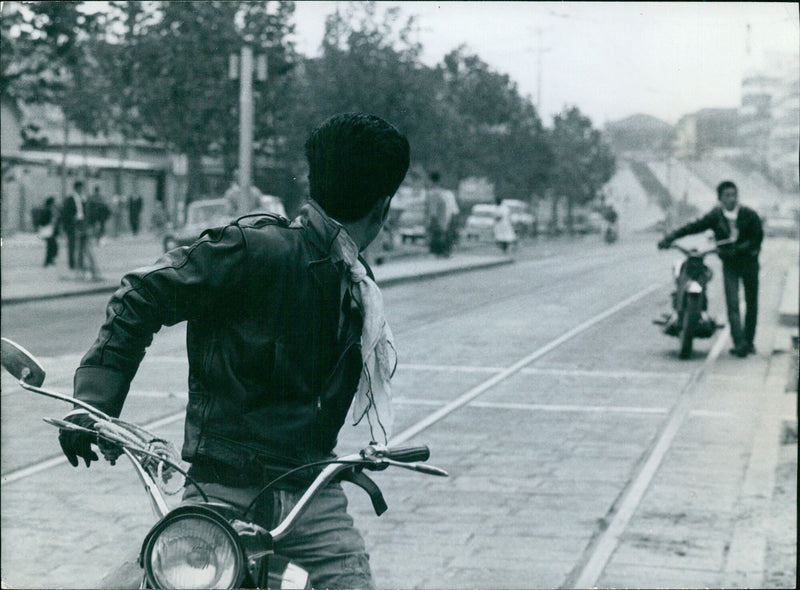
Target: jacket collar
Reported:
[(322, 230)]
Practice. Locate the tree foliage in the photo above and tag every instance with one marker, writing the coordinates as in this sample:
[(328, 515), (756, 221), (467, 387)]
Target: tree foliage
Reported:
[(583, 161), (160, 70)]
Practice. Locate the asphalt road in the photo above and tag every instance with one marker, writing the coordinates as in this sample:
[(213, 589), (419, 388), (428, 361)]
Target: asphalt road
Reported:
[(541, 386)]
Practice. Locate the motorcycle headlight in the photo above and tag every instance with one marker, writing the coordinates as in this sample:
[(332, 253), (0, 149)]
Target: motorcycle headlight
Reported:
[(193, 547)]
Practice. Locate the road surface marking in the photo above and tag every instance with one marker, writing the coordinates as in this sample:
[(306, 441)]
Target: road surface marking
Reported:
[(536, 407), (23, 472), (542, 371), (606, 543), (409, 401), (482, 388)]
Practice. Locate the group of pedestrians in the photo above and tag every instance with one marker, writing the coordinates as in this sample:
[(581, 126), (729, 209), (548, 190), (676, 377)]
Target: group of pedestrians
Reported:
[(441, 212), (82, 219)]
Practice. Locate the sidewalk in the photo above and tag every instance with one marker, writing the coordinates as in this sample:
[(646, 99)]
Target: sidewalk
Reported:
[(721, 510), (24, 279)]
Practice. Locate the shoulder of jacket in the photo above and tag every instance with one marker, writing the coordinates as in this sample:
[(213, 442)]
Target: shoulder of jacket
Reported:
[(260, 220)]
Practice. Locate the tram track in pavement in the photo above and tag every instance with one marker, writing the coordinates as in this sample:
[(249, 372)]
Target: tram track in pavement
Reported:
[(551, 285), (25, 471), (597, 264), (606, 538)]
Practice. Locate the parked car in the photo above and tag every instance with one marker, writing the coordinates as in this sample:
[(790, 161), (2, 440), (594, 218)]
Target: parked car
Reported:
[(480, 222), (200, 215), (587, 222), (522, 219)]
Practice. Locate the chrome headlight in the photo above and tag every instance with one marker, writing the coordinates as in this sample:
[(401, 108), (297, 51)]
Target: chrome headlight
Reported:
[(193, 547)]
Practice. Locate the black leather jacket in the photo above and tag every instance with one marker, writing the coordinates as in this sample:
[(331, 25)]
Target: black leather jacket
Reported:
[(271, 376), (748, 244)]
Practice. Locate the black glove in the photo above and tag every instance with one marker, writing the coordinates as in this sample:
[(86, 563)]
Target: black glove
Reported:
[(664, 244), (78, 444)]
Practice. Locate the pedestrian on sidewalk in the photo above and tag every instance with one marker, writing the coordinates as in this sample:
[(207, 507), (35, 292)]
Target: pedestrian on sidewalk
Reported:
[(117, 205), (504, 234), (100, 214), (286, 335), (84, 216), (730, 220), (70, 208), (135, 205), (46, 226), (439, 211)]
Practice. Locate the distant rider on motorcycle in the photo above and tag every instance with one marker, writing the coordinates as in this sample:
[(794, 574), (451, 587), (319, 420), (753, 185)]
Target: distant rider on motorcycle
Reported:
[(285, 334), (730, 220)]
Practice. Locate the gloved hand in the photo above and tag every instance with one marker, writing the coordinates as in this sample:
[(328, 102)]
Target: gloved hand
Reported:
[(78, 444), (664, 243)]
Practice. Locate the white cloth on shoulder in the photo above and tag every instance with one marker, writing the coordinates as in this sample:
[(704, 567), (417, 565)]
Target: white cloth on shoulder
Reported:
[(373, 397)]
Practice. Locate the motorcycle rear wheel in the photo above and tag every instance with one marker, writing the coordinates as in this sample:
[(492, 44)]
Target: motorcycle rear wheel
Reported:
[(691, 317)]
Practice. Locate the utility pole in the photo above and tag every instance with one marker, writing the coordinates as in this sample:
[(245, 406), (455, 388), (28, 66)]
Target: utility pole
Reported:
[(539, 51), (241, 67), (245, 129)]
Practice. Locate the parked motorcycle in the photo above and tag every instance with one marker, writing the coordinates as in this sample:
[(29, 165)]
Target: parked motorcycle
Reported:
[(689, 318), (209, 544)]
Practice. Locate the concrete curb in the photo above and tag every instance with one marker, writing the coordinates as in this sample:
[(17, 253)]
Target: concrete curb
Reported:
[(391, 281), (387, 282), (61, 295)]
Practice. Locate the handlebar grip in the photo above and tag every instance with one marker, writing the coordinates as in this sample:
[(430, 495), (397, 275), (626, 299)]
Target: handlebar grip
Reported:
[(408, 454)]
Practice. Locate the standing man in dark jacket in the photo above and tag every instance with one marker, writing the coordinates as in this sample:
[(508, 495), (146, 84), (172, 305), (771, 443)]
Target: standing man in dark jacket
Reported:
[(285, 334), (71, 215), (729, 220)]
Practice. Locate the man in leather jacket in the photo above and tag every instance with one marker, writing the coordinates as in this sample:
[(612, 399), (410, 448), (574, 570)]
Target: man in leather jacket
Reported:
[(729, 220), (276, 312)]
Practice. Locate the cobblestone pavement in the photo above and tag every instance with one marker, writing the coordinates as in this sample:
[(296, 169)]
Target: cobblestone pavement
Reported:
[(542, 463)]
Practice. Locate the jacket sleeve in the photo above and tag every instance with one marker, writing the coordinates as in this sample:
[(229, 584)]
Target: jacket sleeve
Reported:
[(749, 242), (187, 283), (704, 223)]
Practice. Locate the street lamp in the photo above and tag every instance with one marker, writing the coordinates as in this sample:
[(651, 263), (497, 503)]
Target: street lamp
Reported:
[(241, 66)]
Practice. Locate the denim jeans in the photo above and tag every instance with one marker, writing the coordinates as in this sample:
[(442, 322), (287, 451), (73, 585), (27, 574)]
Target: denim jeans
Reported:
[(748, 275), (324, 542)]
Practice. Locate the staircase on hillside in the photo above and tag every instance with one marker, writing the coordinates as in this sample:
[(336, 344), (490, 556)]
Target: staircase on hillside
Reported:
[(652, 184)]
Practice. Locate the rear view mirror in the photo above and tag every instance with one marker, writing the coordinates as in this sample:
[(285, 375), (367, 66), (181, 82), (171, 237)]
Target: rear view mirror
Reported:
[(20, 363)]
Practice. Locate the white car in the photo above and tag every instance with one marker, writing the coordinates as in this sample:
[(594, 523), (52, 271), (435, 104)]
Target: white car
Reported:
[(480, 223), (522, 219)]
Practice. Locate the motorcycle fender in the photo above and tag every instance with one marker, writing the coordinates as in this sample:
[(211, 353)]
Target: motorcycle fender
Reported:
[(694, 288)]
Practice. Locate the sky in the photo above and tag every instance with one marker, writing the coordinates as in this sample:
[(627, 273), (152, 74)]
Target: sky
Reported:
[(610, 59)]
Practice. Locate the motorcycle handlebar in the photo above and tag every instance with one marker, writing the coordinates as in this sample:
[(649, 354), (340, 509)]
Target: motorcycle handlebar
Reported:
[(696, 252), (372, 457), (408, 454)]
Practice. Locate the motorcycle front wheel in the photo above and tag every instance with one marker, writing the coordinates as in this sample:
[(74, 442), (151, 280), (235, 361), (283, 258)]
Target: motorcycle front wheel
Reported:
[(691, 316)]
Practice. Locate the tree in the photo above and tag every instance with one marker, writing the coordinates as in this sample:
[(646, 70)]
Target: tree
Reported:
[(495, 131), (370, 62), (583, 161), (52, 62), (182, 90)]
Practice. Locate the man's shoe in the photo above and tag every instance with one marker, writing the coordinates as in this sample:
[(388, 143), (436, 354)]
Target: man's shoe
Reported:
[(738, 351), (750, 348)]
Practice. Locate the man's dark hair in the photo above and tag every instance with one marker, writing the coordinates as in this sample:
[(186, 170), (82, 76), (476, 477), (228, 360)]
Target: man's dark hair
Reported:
[(725, 184), (78, 185), (354, 160)]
